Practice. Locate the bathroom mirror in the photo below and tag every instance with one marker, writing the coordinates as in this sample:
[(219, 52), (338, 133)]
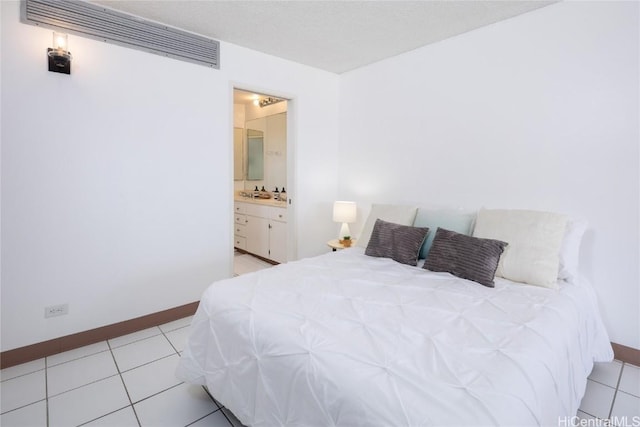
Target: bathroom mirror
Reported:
[(255, 155)]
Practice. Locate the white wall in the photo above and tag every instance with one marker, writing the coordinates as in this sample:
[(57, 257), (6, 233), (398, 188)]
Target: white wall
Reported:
[(275, 165), (125, 209), (117, 180), (253, 112), (539, 111), (238, 115)]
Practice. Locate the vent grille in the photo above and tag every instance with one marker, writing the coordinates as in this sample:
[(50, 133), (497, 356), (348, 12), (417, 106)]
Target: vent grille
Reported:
[(100, 23)]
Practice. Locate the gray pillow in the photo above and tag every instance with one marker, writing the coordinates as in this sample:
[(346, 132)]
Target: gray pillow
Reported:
[(464, 256), (399, 242)]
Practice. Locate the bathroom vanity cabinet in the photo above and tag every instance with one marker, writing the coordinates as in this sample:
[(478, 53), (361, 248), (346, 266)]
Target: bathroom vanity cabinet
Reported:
[(261, 229)]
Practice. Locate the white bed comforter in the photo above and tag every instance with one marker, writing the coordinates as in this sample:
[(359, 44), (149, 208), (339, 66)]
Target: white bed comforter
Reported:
[(346, 339)]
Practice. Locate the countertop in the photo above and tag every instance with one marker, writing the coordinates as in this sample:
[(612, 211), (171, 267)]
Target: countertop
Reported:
[(264, 202)]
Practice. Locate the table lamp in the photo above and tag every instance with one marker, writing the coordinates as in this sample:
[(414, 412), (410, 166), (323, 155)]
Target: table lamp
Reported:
[(344, 212)]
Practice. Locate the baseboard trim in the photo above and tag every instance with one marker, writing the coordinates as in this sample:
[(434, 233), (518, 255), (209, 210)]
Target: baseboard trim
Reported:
[(626, 354), (69, 342), (244, 251)]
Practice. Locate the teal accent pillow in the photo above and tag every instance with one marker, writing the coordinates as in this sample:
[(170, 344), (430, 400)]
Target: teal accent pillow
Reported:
[(450, 219)]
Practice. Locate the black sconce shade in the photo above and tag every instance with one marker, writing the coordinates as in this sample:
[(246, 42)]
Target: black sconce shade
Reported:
[(59, 61)]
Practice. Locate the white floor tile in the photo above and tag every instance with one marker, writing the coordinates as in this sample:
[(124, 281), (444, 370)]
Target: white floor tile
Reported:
[(597, 399), (152, 378), (147, 361), (122, 418), (87, 403), (606, 373), (176, 324), (178, 406), (178, 337), (77, 353), (27, 416), (239, 269), (244, 263), (23, 369), (630, 380), (141, 352), (79, 372), (136, 336), (217, 419), (627, 406), (22, 391)]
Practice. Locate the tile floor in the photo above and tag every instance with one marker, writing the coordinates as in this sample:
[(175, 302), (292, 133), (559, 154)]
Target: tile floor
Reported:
[(125, 381), (129, 381), (613, 393), (245, 263)]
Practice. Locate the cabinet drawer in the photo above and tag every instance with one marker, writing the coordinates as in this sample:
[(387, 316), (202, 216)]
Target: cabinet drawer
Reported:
[(278, 214), (257, 210), (239, 230), (240, 207), (240, 242), (240, 219)]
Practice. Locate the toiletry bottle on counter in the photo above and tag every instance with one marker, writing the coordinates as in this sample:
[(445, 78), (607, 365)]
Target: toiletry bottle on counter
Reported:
[(283, 195), (276, 194), (256, 193)]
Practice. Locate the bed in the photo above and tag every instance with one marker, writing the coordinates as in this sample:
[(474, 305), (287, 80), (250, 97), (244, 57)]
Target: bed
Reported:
[(351, 339)]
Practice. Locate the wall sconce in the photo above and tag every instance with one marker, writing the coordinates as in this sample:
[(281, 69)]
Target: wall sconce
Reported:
[(59, 56), (344, 212)]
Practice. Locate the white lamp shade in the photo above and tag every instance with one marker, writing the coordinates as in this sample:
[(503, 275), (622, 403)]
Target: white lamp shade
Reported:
[(344, 212)]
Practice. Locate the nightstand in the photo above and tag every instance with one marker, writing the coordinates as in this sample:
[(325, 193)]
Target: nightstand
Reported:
[(335, 244)]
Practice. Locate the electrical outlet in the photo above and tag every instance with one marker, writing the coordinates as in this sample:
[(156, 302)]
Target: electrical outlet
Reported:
[(56, 310)]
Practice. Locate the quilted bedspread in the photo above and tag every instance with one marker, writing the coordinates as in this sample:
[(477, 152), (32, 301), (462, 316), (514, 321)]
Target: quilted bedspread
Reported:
[(346, 339)]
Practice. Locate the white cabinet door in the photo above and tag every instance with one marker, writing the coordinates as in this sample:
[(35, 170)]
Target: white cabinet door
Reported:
[(278, 241), (257, 232), (261, 230)]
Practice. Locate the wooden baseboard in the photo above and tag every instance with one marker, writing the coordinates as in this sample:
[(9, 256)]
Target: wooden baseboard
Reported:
[(69, 342), (626, 354), (270, 261)]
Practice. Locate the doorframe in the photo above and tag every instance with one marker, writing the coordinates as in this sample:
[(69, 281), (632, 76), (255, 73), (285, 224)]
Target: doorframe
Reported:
[(292, 190)]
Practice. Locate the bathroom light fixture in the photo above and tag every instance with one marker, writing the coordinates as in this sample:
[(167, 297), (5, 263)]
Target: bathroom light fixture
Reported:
[(344, 212), (256, 100), (59, 56), (269, 100)]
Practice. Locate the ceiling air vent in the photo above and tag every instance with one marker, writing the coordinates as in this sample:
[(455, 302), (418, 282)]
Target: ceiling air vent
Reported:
[(100, 23)]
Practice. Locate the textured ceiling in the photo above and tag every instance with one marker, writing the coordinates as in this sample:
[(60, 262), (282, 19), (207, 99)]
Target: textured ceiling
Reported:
[(336, 36)]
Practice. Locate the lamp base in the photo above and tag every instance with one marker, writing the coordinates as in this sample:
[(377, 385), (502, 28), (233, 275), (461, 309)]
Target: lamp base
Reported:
[(344, 231)]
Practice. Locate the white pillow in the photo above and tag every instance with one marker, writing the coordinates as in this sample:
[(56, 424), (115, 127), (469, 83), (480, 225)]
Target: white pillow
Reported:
[(397, 214), (534, 238), (570, 249)]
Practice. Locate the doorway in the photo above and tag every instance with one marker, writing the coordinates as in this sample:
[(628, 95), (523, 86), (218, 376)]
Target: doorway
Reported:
[(261, 199)]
